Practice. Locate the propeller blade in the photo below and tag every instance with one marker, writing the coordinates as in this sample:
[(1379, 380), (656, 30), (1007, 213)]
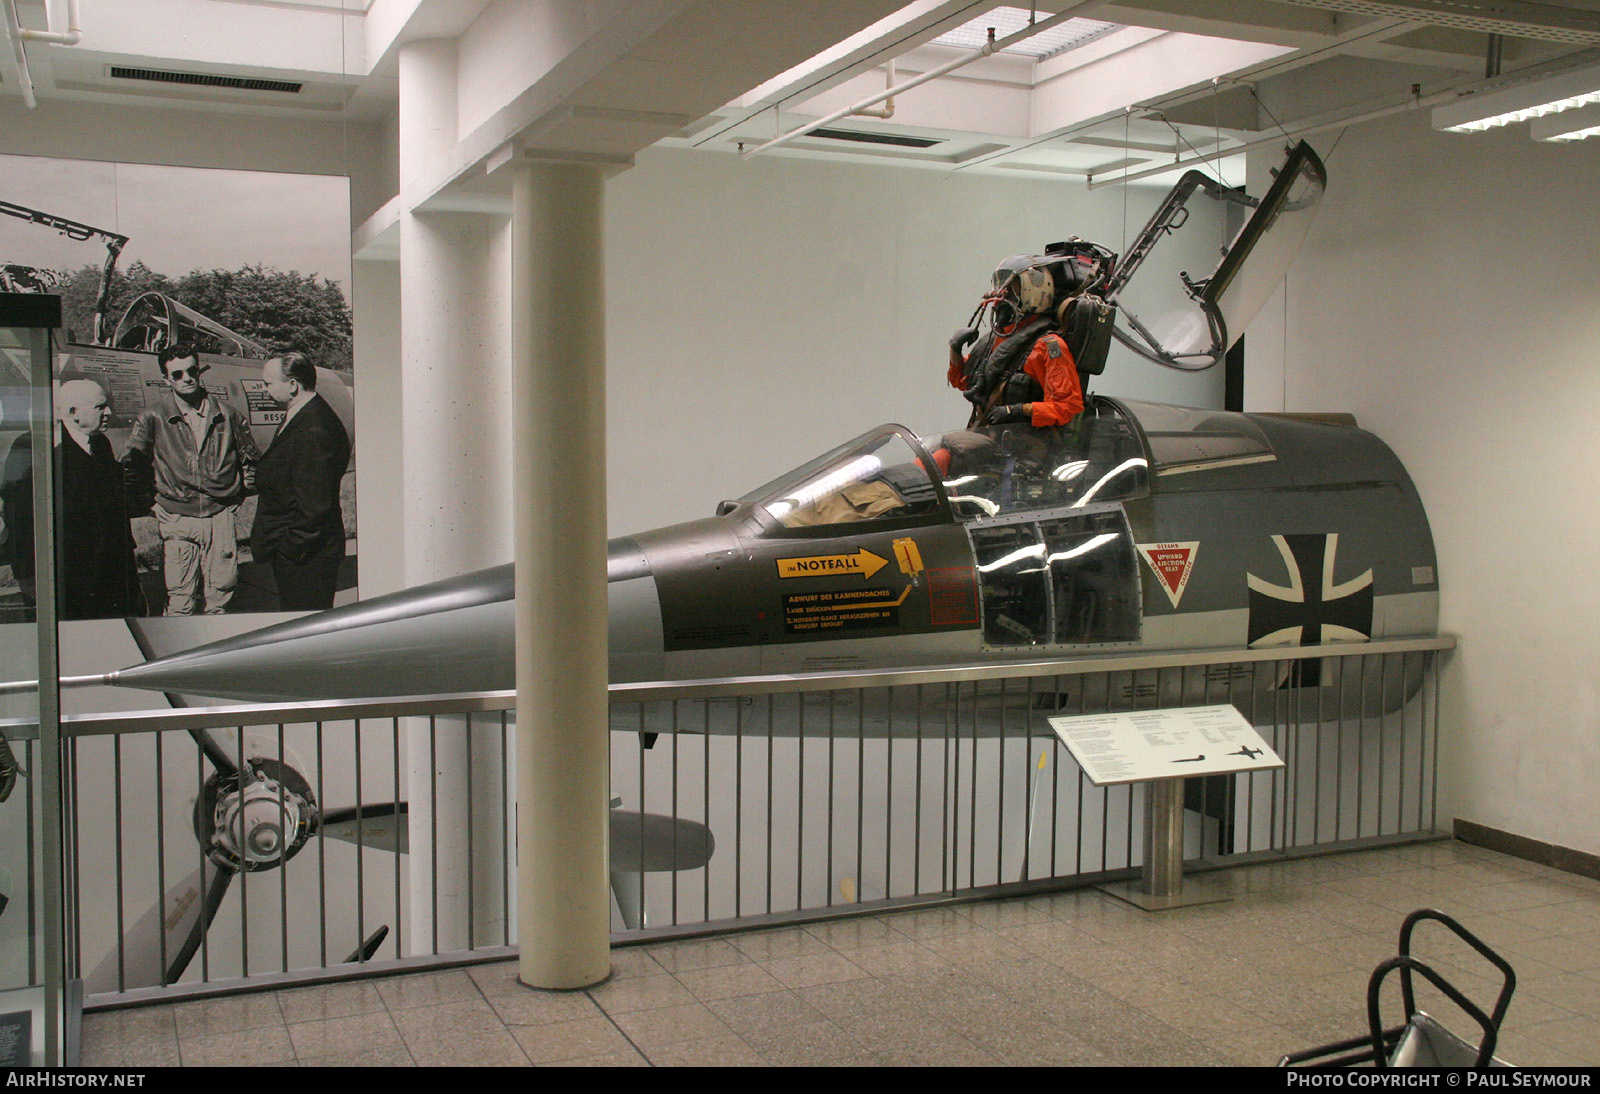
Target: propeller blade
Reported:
[(384, 826), (150, 942), (220, 880), (646, 842), (365, 951), (214, 752), (629, 891)]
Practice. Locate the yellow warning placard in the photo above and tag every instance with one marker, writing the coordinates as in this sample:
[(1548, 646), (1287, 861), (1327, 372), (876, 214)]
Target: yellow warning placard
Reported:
[(863, 562)]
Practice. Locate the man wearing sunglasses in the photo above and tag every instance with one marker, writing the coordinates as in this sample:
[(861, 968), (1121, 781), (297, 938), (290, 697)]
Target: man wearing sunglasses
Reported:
[(194, 456)]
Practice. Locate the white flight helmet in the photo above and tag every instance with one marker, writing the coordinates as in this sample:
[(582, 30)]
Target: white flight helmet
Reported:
[(1028, 284)]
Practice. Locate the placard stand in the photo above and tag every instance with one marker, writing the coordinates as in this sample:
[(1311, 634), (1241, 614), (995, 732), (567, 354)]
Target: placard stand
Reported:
[(1153, 747)]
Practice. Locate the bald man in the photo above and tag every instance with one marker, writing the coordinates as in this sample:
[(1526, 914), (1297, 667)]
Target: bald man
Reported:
[(94, 555)]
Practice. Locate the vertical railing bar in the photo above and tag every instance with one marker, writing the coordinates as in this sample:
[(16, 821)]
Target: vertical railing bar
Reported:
[(76, 840), (769, 870), (916, 824), (861, 782), (1422, 739), (1383, 732), (322, 862), (1083, 705), (738, 808), (1316, 762), (1055, 778), (1000, 785), (705, 805), (1250, 779), (35, 973), (161, 857), (394, 774), (361, 850), (205, 936), (1437, 673), (1338, 754), (674, 874), (1105, 795), (947, 810), (1361, 749), (1027, 783), (1055, 773), (471, 836), (640, 746), (433, 830), (244, 880), (1296, 704), (505, 835), (972, 796), (283, 874), (116, 804), (1278, 825), (827, 874), (800, 807)]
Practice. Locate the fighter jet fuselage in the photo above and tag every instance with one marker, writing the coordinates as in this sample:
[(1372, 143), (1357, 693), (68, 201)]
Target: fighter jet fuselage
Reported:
[(1140, 528)]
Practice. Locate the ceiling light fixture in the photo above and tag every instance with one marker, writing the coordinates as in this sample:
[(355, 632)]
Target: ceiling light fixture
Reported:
[(1521, 101), (1570, 125)]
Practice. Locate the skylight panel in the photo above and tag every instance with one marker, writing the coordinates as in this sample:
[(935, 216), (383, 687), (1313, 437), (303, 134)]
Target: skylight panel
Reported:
[(1047, 43)]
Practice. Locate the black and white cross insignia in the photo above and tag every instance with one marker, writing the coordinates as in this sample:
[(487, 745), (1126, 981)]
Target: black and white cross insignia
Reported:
[(1311, 609)]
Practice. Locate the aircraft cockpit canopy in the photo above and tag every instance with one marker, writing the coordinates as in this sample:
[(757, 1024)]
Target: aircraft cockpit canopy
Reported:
[(883, 476), (1187, 318), (1099, 457), (1184, 439)]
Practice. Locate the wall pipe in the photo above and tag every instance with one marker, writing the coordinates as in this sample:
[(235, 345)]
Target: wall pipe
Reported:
[(992, 46), (887, 109), (69, 37), (19, 56)]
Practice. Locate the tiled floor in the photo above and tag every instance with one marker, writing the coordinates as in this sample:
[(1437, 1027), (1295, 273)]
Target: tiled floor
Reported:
[(1074, 978)]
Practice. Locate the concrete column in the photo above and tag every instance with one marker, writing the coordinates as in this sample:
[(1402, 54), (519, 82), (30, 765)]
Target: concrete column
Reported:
[(454, 422), (558, 441)]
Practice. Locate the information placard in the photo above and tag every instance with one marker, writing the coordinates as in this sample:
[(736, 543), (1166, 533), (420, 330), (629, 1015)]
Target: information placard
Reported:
[(1164, 744)]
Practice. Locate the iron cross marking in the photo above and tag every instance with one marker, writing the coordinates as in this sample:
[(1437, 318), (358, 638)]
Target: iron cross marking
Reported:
[(1311, 609)]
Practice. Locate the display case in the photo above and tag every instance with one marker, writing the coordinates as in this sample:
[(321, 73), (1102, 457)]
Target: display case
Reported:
[(38, 1016)]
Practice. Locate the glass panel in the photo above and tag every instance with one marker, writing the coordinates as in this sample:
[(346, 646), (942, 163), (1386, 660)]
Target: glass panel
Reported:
[(1186, 437), (1098, 457), (31, 956), (1011, 573), (1094, 576), (1177, 314), (877, 477), (1240, 289)]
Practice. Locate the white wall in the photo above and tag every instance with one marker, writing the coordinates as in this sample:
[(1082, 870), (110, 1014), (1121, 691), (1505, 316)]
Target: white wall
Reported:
[(1447, 298), (762, 311)]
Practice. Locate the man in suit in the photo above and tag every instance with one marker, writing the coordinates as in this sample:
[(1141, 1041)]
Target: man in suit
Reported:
[(96, 572), (299, 527)]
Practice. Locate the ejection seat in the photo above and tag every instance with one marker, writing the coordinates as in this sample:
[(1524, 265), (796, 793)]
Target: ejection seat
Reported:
[(1422, 1040)]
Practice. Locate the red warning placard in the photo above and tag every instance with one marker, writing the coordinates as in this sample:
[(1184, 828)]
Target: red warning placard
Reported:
[(1172, 563)]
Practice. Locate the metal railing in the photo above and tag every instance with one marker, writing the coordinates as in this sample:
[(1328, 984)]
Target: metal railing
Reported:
[(825, 794)]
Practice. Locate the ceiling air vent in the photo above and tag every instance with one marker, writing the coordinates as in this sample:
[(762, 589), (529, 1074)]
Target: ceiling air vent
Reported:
[(875, 138), (204, 79)]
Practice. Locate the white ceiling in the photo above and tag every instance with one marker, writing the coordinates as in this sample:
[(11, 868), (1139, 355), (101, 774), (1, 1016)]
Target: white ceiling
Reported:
[(1182, 79)]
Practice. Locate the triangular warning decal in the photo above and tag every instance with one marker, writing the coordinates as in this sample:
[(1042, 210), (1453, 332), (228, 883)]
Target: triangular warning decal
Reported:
[(1171, 563)]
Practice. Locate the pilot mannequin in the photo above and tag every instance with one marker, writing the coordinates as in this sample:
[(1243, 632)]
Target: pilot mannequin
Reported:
[(1021, 371)]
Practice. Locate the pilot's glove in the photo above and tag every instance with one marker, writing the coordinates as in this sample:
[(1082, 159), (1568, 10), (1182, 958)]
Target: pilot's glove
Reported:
[(963, 338), (1012, 412)]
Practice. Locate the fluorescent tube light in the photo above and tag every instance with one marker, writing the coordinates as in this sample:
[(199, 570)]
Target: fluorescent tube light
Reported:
[(1570, 125), (1521, 102)]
